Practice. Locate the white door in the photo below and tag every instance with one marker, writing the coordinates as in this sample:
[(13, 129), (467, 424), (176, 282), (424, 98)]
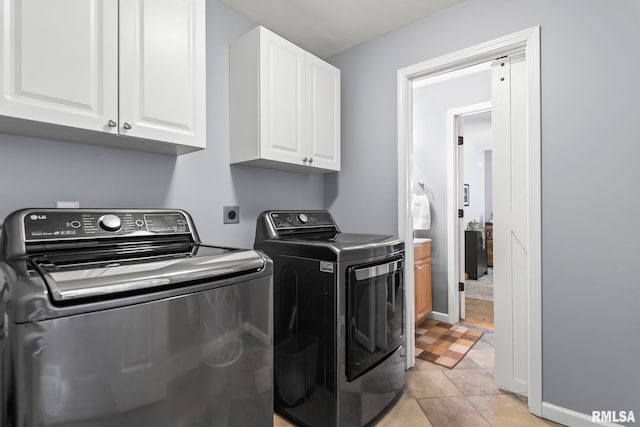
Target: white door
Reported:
[(282, 100), (59, 62), (323, 114), (511, 221), (461, 235), (162, 70)]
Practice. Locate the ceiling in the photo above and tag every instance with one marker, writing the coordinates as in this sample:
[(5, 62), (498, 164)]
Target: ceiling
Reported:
[(327, 27)]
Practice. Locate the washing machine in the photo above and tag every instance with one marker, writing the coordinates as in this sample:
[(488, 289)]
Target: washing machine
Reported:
[(339, 310), (122, 317)]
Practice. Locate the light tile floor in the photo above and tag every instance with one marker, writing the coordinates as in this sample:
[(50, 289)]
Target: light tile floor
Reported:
[(465, 396)]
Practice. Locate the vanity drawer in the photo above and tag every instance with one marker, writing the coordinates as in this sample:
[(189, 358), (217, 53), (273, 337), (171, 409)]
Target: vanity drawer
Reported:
[(422, 250)]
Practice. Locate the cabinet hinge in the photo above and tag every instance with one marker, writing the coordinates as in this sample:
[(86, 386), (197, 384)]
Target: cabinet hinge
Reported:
[(461, 140), (460, 286), (460, 213)]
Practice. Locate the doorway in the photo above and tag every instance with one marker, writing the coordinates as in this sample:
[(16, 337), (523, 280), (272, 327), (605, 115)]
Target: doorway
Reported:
[(475, 238), (528, 42)]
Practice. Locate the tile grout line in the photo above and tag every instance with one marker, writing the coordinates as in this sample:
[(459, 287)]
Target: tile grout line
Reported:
[(481, 414)]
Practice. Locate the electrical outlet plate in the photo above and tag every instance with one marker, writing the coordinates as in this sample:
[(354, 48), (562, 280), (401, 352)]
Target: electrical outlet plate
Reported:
[(231, 214)]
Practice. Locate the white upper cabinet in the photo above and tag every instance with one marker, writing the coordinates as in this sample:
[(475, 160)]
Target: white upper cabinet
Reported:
[(162, 70), (282, 100), (127, 74), (59, 64), (323, 114), (284, 106)]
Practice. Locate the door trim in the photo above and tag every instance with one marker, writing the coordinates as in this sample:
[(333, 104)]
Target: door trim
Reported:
[(453, 237), (528, 41)]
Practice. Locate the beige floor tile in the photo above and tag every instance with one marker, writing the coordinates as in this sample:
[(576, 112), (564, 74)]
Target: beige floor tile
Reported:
[(466, 363), (481, 344), (554, 424), (405, 413), (473, 382), (452, 412), (406, 394), (490, 338), (423, 365), (506, 410), (278, 421), (522, 396), (483, 357), (430, 384)]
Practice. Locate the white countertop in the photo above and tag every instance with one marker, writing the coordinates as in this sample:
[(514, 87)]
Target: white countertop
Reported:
[(420, 240)]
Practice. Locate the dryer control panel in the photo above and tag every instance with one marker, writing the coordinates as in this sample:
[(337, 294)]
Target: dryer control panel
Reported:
[(301, 219)]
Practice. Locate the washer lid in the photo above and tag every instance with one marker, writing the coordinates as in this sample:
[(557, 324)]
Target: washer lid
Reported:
[(72, 276)]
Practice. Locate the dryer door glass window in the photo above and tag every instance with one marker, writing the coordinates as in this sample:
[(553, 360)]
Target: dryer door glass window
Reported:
[(375, 312)]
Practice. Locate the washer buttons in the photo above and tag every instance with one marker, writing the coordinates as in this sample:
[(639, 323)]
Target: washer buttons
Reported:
[(139, 223), (75, 224)]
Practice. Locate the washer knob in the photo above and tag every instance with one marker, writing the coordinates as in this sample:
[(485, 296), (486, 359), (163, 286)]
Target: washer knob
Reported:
[(303, 218), (110, 222)]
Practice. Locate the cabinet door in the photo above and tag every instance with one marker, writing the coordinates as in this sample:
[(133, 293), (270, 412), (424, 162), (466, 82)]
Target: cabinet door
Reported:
[(162, 70), (282, 99), (422, 278), (323, 114), (59, 62)]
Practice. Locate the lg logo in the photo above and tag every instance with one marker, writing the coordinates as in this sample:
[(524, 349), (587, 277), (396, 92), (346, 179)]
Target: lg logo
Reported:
[(35, 217)]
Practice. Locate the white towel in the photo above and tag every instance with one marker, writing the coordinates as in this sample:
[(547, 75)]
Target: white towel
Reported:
[(421, 212)]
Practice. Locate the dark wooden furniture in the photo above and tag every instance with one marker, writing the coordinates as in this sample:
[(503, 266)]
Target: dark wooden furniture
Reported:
[(475, 254), (489, 234)]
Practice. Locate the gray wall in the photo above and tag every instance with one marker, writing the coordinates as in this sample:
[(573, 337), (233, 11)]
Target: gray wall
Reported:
[(477, 133), (590, 95), (37, 172), (431, 104)]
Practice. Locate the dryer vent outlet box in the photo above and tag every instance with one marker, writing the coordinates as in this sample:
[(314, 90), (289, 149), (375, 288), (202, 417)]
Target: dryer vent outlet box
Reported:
[(231, 214)]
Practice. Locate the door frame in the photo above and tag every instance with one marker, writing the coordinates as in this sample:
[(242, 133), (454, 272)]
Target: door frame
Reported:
[(528, 41), (453, 235)]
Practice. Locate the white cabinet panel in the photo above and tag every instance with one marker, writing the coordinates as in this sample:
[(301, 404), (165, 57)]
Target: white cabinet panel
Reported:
[(323, 113), (162, 78), (284, 106), (130, 71), (59, 62)]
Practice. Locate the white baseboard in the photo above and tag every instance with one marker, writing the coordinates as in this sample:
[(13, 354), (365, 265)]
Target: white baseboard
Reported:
[(440, 317), (569, 417)]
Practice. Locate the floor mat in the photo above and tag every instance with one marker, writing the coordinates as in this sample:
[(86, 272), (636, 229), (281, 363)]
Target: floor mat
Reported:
[(444, 344)]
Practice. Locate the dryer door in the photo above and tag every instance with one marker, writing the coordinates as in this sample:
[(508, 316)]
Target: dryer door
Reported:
[(375, 313)]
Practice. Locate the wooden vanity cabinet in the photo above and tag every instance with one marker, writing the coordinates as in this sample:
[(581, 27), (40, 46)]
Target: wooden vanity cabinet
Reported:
[(422, 280)]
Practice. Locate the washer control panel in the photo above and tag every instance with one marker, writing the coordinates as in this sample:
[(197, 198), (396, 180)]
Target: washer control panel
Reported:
[(74, 224), (301, 220)]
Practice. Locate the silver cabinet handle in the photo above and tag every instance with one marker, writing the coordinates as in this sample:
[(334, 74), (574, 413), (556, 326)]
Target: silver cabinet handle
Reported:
[(418, 267), (310, 160), (112, 123), (305, 160), (126, 125)]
